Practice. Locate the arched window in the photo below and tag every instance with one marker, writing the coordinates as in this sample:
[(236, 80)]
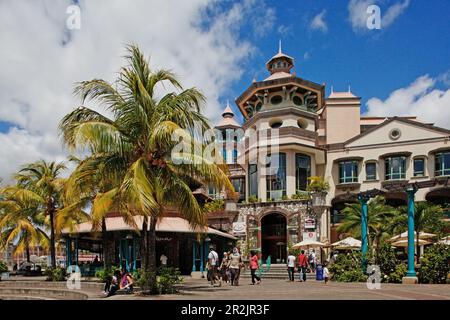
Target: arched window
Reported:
[(302, 171)]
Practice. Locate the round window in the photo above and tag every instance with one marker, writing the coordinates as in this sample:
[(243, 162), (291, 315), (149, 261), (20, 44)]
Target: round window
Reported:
[(276, 99), (258, 106), (302, 123), (274, 124), (297, 101), (394, 134)]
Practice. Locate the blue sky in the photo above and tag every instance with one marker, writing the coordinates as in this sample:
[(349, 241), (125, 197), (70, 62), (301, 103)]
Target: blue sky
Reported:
[(374, 63), (218, 46)]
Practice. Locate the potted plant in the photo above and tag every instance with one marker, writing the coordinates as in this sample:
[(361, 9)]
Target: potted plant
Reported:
[(318, 187), (4, 272)]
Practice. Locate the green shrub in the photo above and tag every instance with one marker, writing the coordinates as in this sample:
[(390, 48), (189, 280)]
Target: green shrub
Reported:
[(435, 264), (3, 267), (166, 279), (285, 197), (56, 274), (347, 268), (300, 196), (215, 205), (392, 270), (105, 274), (252, 199)]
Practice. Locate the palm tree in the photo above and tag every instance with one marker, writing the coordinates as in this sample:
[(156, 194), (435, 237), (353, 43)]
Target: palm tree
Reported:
[(134, 147), (20, 221), (378, 220), (427, 217), (86, 184), (43, 183)]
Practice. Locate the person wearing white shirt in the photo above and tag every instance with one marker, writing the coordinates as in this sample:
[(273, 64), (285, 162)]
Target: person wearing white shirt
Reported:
[(163, 260), (291, 266), (213, 263)]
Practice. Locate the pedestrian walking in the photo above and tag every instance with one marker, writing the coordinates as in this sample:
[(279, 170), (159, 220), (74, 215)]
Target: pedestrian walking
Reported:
[(302, 265), (291, 266), (224, 267), (254, 266), (235, 266), (326, 272), (213, 262)]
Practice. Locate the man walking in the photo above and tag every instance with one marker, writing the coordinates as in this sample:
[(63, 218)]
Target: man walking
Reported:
[(291, 266), (213, 262), (302, 265)]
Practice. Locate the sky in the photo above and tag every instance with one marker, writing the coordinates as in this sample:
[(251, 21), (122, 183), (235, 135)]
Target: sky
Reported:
[(402, 69)]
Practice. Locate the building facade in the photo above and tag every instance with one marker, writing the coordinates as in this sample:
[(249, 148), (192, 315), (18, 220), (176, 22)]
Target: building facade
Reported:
[(291, 132)]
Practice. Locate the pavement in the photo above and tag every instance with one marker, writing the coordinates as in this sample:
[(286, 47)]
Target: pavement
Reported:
[(199, 289)]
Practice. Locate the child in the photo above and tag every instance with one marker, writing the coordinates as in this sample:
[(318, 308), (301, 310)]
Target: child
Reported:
[(326, 273)]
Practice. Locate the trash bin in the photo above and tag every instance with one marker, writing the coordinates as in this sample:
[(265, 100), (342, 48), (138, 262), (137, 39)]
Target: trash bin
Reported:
[(319, 272)]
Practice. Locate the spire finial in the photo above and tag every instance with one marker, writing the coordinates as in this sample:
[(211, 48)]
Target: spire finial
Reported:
[(228, 103), (279, 46), (349, 88), (332, 89)]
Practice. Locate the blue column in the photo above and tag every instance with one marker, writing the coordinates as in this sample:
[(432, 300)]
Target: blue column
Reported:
[(364, 237), (201, 256), (193, 256), (411, 246)]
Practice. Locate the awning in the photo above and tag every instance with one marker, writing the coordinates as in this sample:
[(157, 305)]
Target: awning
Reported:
[(167, 224)]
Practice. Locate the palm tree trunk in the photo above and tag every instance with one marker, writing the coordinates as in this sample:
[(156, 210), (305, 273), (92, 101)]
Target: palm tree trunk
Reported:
[(417, 245), (144, 245), (152, 253), (106, 258), (27, 251), (51, 211)]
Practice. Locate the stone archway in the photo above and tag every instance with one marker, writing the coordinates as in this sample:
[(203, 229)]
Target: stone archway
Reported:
[(274, 237)]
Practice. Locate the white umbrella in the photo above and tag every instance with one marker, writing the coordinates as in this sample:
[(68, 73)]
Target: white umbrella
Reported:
[(404, 243), (445, 240), (347, 243), (307, 244), (404, 236)]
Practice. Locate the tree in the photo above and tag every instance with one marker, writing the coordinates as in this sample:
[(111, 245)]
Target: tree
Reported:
[(43, 183), (20, 221), (378, 220), (427, 218), (136, 148)]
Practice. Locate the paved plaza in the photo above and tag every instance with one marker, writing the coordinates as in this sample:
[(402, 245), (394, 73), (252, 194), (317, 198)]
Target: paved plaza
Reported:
[(310, 290)]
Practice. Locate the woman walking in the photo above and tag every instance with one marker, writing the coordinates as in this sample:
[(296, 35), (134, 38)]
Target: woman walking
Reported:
[(234, 266), (254, 265)]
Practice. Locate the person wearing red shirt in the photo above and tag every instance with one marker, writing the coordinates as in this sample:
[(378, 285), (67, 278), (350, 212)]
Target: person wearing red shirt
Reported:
[(302, 265), (253, 267)]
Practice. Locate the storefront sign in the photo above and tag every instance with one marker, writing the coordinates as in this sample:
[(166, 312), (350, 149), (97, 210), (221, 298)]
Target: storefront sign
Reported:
[(309, 236), (310, 223), (239, 228), (163, 239)]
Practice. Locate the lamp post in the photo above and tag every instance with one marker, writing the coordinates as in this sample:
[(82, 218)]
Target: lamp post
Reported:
[(364, 243), (411, 277)]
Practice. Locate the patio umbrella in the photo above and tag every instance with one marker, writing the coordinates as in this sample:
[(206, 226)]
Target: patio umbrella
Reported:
[(404, 243), (404, 236), (445, 240), (307, 244), (347, 243)]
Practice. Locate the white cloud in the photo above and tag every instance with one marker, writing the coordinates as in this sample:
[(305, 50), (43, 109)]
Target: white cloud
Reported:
[(40, 59), (421, 98), (319, 23), (358, 13), (307, 55)]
